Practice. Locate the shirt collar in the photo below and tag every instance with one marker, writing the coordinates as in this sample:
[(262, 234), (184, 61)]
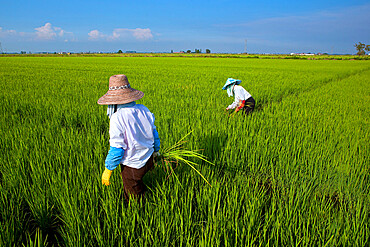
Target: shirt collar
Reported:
[(114, 108), (126, 105)]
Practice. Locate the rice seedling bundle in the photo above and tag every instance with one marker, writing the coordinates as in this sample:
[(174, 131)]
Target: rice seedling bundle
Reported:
[(295, 172)]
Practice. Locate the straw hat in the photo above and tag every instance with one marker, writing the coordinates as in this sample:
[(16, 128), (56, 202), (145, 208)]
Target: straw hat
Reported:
[(120, 92)]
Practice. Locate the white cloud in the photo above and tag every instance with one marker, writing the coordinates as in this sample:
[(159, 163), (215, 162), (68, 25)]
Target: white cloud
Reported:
[(48, 32), (60, 31), (95, 35), (44, 33), (142, 34), (5, 33), (137, 33), (127, 34)]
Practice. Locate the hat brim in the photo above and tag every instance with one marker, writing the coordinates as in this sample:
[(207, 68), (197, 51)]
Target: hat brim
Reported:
[(118, 97), (228, 83)]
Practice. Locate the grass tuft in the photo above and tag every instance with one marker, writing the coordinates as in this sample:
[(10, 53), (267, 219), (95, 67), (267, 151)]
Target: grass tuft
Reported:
[(177, 154)]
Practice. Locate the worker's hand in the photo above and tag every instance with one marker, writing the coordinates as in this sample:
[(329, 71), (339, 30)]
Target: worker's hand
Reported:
[(227, 108), (105, 177), (156, 156)]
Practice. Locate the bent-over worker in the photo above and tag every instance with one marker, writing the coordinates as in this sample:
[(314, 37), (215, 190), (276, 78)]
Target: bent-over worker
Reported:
[(243, 99)]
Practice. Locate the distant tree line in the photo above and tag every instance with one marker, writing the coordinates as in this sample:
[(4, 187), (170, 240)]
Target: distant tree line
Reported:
[(361, 48), (199, 51), (188, 51)]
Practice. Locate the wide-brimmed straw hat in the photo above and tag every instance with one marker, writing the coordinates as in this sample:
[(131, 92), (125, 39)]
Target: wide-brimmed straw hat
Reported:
[(120, 92), (231, 81)]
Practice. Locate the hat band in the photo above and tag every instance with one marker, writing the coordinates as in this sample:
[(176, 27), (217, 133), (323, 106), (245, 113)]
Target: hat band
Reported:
[(120, 87)]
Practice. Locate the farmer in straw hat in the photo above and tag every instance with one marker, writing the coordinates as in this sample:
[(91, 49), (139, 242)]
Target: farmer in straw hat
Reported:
[(133, 139), (243, 100)]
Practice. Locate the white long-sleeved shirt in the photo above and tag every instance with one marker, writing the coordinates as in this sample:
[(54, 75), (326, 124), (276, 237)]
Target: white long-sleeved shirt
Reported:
[(131, 128), (240, 94)]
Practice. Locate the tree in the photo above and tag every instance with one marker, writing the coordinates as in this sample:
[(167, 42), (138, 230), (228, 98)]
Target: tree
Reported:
[(208, 51), (120, 51), (198, 51), (188, 51), (367, 48), (360, 48)]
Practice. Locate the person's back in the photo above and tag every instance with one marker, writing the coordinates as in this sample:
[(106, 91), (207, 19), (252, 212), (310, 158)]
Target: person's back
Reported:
[(133, 131), (134, 139), (241, 93)]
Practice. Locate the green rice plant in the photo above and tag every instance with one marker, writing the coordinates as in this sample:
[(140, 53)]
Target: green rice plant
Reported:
[(176, 154), (37, 240), (295, 172)]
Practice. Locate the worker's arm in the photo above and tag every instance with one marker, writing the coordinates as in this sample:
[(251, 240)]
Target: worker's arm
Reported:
[(237, 99), (114, 157), (234, 104), (157, 142), (116, 151)]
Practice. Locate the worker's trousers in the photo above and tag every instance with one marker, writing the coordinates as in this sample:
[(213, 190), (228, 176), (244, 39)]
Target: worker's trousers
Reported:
[(249, 105), (132, 178)]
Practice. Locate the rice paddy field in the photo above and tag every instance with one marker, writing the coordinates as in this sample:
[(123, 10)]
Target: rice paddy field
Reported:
[(293, 173)]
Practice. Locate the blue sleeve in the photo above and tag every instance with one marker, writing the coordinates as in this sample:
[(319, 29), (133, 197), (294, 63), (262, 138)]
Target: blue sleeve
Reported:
[(114, 157), (157, 142)]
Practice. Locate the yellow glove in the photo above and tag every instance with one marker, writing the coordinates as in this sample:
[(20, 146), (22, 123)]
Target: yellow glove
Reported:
[(105, 177)]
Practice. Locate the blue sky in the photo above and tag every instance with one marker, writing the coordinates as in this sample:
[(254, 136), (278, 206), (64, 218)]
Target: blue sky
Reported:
[(282, 26)]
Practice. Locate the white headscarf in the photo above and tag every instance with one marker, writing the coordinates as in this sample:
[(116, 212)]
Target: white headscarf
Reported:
[(230, 90), (111, 109)]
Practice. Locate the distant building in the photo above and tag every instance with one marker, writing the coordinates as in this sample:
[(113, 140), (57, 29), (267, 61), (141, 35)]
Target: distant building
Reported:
[(301, 54)]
